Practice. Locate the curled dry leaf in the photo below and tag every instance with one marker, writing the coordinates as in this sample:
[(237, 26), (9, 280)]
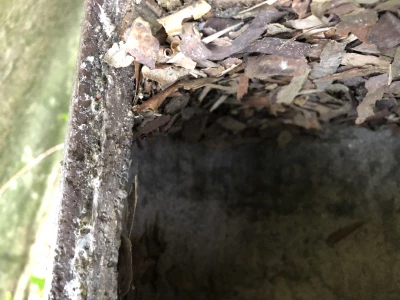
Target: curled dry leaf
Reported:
[(173, 23), (263, 67), (141, 44), (165, 76), (386, 32), (287, 93), (376, 87), (300, 7)]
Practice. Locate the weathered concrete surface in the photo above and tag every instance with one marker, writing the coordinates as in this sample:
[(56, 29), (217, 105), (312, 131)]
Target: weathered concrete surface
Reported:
[(253, 222), (95, 164), (38, 46)]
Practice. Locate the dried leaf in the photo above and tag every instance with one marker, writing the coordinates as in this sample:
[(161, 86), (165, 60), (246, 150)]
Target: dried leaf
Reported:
[(154, 102), (286, 48), (395, 66), (307, 23), (287, 93), (231, 124), (173, 23), (263, 67), (243, 87), (358, 60), (386, 32), (343, 232), (376, 87), (192, 46), (141, 44), (367, 48), (331, 57), (391, 5), (182, 61), (300, 7), (165, 76), (356, 72), (117, 57), (154, 125), (276, 28), (359, 23), (284, 138)]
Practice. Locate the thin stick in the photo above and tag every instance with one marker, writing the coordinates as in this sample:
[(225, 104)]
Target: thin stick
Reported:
[(29, 166), (135, 204)]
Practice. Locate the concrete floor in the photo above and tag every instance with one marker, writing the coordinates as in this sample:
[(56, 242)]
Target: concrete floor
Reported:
[(317, 220)]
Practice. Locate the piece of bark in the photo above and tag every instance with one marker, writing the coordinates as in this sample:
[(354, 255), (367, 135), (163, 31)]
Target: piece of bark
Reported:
[(356, 72), (282, 47), (331, 57), (376, 87), (386, 32), (263, 67)]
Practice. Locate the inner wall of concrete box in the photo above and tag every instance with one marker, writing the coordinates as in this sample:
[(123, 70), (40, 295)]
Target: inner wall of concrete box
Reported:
[(316, 220)]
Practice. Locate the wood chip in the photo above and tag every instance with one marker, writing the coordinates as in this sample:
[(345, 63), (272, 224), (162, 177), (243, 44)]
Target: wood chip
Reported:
[(386, 32), (243, 87), (331, 57)]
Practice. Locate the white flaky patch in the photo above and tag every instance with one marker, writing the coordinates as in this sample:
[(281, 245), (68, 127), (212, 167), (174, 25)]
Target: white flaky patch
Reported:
[(108, 27), (283, 65)]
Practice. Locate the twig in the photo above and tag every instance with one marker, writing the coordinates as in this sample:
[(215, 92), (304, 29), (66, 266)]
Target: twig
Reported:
[(29, 166)]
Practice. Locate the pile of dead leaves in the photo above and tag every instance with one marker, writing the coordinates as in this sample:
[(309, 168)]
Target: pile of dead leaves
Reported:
[(205, 73)]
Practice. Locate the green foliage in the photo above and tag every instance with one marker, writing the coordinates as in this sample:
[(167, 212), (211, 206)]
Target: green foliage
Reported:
[(38, 281), (8, 296), (63, 117)]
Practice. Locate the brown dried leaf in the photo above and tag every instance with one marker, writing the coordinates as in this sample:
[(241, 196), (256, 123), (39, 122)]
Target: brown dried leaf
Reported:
[(330, 59), (287, 93), (358, 60), (356, 72), (243, 87), (376, 87), (231, 124), (286, 48), (300, 7), (173, 23), (391, 5), (386, 32), (182, 61), (307, 23), (164, 75), (359, 23), (141, 44), (265, 66), (154, 102), (192, 46), (154, 125)]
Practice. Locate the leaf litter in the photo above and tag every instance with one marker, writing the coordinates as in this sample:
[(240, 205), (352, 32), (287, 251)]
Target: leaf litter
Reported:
[(240, 74)]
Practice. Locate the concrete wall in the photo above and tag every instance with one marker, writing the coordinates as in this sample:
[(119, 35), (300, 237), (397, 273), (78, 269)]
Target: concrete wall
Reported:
[(316, 220)]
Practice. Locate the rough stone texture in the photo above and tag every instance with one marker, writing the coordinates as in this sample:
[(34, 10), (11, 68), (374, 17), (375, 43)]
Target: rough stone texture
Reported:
[(256, 222), (95, 164)]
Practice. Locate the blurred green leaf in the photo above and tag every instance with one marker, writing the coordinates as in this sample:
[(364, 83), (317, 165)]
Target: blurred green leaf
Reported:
[(8, 296), (38, 281), (63, 117)]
